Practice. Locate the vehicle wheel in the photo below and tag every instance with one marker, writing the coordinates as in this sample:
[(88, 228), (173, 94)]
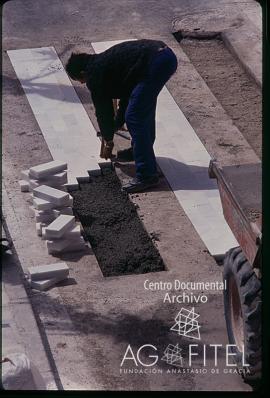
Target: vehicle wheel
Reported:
[(242, 305)]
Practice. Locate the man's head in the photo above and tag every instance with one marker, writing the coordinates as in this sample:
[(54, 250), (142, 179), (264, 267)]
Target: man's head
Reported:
[(76, 66)]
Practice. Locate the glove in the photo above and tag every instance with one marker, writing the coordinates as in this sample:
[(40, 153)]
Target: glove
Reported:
[(106, 149)]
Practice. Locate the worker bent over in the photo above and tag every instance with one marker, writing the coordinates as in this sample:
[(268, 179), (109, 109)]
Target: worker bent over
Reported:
[(133, 72)]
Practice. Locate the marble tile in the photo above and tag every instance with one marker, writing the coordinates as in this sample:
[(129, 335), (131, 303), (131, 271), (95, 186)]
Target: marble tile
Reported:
[(184, 161), (65, 125), (71, 136)]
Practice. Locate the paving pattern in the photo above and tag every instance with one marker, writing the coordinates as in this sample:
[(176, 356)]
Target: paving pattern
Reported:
[(65, 125), (71, 137), (184, 162)]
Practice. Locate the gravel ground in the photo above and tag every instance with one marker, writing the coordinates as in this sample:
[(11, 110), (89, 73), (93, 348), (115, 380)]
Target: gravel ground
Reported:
[(114, 229)]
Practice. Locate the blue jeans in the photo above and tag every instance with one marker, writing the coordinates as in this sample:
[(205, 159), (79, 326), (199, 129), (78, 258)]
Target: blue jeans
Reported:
[(141, 111)]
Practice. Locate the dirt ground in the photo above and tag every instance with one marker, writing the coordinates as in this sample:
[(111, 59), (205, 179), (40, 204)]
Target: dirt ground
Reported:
[(237, 92), (114, 229), (88, 323)]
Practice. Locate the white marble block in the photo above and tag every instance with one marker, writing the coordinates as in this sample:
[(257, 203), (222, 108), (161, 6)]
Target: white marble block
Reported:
[(43, 272), (24, 185), (46, 169), (45, 284), (59, 226), (57, 197)]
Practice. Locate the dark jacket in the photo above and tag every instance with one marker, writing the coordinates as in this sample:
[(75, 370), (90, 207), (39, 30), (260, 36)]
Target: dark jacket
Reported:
[(113, 74)]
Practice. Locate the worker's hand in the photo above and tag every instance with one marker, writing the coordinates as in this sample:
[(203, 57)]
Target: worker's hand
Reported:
[(106, 149)]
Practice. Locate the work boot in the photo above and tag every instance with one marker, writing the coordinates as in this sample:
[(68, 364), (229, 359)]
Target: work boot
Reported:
[(139, 185), (126, 155)]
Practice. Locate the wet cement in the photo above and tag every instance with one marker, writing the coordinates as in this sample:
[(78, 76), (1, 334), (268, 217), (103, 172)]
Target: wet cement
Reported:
[(114, 229)]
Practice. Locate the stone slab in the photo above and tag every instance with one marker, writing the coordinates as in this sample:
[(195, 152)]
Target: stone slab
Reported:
[(65, 125), (42, 272), (42, 204), (65, 210), (45, 170), (24, 186), (184, 161), (73, 233), (59, 226), (46, 284), (74, 247), (50, 194), (58, 245)]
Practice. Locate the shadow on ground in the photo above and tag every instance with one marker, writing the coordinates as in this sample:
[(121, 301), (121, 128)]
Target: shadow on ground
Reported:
[(185, 177), (118, 327), (12, 86)]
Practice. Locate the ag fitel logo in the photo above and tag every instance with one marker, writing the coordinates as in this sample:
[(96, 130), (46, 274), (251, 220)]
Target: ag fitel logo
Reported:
[(183, 357), (186, 324)]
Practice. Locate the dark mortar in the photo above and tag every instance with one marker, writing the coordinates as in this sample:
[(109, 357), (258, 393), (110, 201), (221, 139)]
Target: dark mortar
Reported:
[(112, 226)]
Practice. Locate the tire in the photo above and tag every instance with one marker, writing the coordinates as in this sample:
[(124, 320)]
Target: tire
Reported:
[(242, 305)]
